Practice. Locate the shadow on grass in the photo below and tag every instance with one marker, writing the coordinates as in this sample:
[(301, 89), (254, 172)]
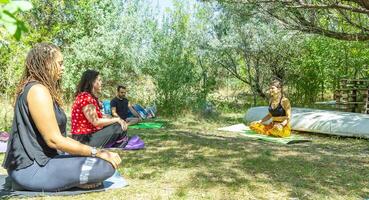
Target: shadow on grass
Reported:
[(224, 119), (235, 162)]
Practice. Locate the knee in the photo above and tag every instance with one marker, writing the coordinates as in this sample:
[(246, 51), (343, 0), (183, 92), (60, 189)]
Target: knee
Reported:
[(256, 126), (117, 128), (104, 168), (252, 125)]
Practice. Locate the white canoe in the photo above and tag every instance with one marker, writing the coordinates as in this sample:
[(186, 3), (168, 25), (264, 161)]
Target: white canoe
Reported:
[(321, 121)]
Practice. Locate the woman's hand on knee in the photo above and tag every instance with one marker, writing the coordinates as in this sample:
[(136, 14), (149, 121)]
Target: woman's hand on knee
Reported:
[(111, 157), (278, 126), (123, 124), (255, 122)]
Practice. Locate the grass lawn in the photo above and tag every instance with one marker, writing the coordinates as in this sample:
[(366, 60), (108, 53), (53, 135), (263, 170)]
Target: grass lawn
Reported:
[(190, 159)]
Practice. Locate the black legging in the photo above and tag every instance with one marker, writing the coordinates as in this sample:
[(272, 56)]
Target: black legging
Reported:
[(62, 172), (101, 138)]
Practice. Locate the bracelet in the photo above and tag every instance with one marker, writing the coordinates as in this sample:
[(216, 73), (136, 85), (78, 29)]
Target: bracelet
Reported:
[(93, 151)]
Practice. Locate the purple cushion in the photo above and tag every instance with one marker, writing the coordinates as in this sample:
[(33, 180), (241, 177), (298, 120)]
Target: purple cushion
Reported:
[(4, 136), (135, 143)]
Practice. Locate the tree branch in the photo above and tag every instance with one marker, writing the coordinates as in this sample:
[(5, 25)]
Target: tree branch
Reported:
[(235, 74), (332, 6), (348, 20)]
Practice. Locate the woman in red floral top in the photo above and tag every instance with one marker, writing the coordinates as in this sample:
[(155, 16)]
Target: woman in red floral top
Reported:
[(88, 124)]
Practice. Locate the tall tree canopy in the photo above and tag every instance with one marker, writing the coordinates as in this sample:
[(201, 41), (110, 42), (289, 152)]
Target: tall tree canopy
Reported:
[(339, 19)]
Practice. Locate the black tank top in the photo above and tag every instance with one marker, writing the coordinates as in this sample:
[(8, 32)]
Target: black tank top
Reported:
[(278, 111), (26, 144)]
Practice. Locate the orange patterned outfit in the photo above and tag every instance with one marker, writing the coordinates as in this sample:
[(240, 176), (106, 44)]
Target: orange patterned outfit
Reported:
[(278, 116)]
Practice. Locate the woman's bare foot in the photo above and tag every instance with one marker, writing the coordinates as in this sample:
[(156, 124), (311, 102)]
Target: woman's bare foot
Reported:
[(89, 186)]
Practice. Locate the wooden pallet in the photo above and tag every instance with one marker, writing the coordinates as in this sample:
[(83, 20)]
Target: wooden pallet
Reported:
[(353, 95)]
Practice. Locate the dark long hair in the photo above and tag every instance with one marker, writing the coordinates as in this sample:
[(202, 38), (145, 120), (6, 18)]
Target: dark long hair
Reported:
[(86, 83), (278, 83)]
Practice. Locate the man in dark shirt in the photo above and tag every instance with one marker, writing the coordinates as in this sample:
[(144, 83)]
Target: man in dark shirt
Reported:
[(120, 107)]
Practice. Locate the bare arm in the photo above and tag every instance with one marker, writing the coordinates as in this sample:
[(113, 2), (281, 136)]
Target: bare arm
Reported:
[(287, 107), (90, 113), (114, 112), (266, 118), (42, 111)]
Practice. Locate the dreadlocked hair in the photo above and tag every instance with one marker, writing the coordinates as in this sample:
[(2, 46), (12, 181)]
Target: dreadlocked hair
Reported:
[(41, 66)]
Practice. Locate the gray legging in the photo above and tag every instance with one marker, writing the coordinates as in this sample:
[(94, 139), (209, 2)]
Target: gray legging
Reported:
[(62, 172), (106, 136)]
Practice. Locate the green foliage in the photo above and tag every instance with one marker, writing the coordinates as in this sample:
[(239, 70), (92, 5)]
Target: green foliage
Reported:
[(254, 49), (183, 60), (182, 69), (9, 19), (322, 63), (118, 45), (174, 70), (12, 56)]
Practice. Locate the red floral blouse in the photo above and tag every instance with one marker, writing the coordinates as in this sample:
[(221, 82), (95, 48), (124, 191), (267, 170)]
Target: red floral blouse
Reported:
[(80, 124)]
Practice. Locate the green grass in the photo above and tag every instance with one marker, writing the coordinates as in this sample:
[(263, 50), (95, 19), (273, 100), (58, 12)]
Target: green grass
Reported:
[(190, 159)]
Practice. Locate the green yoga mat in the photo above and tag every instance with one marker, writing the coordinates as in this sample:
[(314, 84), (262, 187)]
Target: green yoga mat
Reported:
[(147, 125), (287, 140)]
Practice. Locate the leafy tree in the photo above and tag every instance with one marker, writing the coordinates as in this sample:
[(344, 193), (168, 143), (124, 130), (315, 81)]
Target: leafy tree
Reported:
[(343, 20), (118, 45), (253, 49), (322, 63), (8, 17)]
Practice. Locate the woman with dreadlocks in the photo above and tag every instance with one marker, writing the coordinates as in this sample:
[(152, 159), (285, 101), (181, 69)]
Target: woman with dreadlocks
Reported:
[(32, 159), (279, 112)]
